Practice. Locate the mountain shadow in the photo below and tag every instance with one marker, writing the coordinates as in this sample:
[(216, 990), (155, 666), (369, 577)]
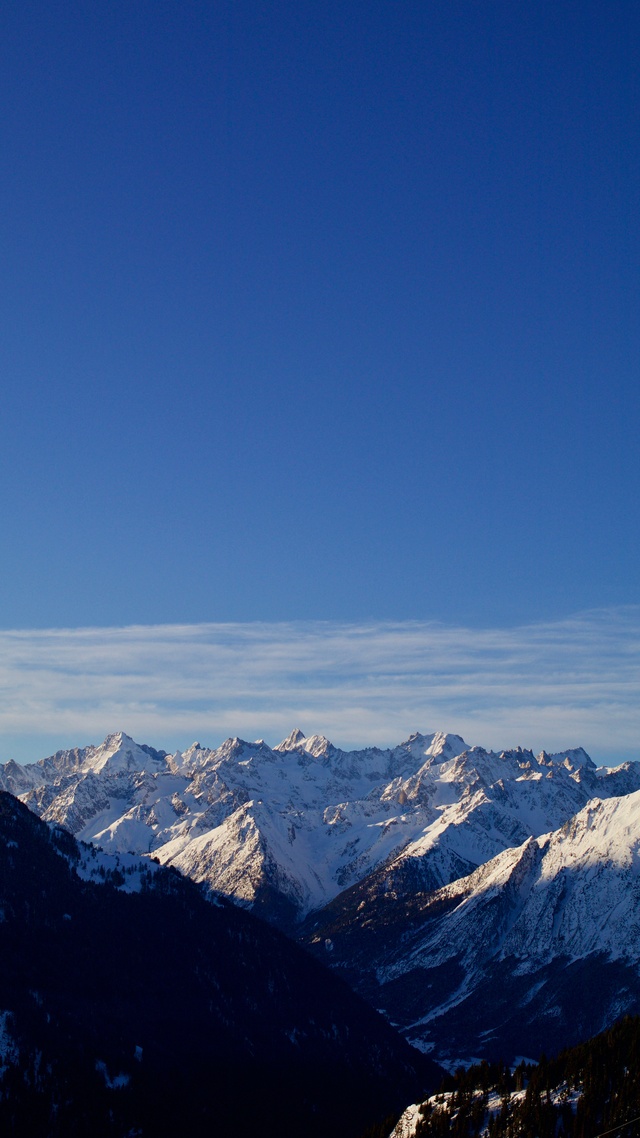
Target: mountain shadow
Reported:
[(158, 1012)]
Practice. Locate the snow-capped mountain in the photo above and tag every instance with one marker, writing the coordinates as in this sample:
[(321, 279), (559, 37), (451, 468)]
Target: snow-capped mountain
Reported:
[(287, 829), (537, 948), (467, 894)]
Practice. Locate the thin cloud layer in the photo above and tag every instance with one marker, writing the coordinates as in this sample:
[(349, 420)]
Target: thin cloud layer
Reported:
[(568, 683)]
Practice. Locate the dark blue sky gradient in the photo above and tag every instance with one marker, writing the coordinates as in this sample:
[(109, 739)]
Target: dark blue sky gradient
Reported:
[(318, 310)]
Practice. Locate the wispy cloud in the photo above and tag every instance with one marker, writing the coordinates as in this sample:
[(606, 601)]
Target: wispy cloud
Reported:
[(575, 681)]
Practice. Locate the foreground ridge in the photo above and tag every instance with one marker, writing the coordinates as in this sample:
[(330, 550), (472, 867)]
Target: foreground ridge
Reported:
[(590, 1090), (130, 1004)]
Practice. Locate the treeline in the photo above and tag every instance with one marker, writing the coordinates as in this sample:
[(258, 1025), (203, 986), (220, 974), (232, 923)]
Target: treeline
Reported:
[(581, 1093)]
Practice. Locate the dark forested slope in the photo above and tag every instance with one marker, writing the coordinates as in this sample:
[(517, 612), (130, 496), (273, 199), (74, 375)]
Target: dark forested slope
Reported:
[(583, 1092), (159, 1013)]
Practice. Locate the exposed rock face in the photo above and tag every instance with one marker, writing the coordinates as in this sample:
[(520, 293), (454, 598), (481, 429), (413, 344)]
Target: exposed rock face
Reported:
[(286, 829)]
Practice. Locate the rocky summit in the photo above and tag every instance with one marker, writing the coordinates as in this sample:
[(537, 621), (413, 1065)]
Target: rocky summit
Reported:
[(285, 830)]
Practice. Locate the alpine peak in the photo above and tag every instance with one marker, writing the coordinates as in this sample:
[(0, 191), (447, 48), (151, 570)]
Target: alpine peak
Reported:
[(286, 829), (295, 739)]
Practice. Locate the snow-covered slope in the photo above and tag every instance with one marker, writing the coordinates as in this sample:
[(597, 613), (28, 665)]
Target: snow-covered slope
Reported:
[(591, 1089), (539, 946), (569, 893), (287, 829)]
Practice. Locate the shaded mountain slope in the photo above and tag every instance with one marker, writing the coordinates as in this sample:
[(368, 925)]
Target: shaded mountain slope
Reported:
[(496, 964), (156, 1012)]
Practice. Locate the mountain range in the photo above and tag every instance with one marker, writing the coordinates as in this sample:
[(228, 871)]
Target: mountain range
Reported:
[(467, 894), (284, 830)]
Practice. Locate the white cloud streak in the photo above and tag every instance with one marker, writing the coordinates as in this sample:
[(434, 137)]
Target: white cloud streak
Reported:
[(570, 682)]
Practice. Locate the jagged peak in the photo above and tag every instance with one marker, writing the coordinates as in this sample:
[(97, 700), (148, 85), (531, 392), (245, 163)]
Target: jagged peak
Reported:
[(195, 747), (295, 739), (116, 740), (318, 745), (435, 744), (572, 758), (120, 752), (447, 745), (233, 745)]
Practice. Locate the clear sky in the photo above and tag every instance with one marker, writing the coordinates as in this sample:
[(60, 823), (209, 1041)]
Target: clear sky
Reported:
[(318, 311)]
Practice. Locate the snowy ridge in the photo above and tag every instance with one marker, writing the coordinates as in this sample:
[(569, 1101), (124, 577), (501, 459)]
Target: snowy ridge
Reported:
[(287, 829), (570, 893), (489, 1106), (579, 894), (501, 960)]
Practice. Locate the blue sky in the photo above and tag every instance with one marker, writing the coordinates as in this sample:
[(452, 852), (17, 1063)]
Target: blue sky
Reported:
[(318, 312)]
